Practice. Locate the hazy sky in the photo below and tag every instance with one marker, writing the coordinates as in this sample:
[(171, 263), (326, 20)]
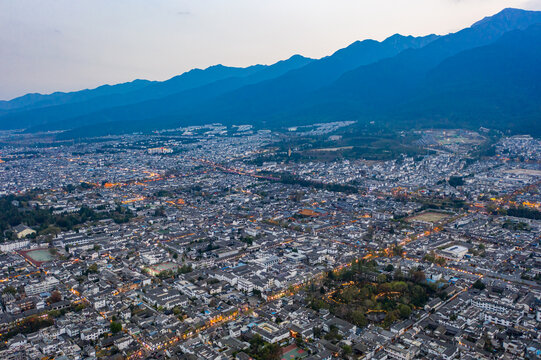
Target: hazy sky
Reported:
[(49, 45)]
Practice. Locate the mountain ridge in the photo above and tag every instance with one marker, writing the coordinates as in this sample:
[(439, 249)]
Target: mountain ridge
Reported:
[(364, 81), (290, 86), (192, 79)]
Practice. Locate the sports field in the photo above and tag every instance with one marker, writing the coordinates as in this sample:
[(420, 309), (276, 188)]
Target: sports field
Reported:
[(293, 352), (429, 216), (38, 256), (158, 268)]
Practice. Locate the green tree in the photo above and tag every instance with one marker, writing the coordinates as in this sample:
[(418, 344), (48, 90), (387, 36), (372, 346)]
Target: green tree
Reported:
[(358, 318), (405, 311), (479, 285), (299, 341), (116, 327), (390, 318), (455, 181), (440, 261), (92, 268), (9, 290), (418, 277)]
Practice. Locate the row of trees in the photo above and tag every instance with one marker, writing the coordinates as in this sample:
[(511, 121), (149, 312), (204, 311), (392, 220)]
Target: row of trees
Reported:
[(295, 180), (522, 212)]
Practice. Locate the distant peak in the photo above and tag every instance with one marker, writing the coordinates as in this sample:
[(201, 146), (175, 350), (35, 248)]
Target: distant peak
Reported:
[(397, 36), (511, 11), (506, 14), (296, 56), (359, 42), (409, 40)]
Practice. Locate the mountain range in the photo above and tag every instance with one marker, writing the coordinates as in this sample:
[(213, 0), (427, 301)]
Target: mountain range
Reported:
[(486, 75)]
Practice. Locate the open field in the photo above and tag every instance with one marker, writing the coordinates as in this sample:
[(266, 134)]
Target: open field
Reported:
[(38, 256), (333, 149), (158, 268), (458, 140), (429, 216), (525, 172)]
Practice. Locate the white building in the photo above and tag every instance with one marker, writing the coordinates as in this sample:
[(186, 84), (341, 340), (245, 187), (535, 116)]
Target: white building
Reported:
[(160, 150), (43, 286), (455, 252), (14, 245)]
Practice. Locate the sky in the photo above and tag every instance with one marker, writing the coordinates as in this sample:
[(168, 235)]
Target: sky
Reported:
[(66, 45)]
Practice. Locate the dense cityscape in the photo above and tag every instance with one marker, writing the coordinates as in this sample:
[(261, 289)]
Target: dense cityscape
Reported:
[(229, 242)]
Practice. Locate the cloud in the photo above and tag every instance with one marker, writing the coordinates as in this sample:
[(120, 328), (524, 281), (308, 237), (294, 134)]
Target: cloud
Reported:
[(533, 5), (184, 13)]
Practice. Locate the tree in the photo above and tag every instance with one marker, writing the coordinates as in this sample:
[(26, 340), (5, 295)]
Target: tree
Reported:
[(405, 311), (358, 318), (390, 318), (271, 352), (9, 290), (398, 251), (116, 327), (165, 274), (159, 212), (55, 297), (260, 349), (184, 269), (455, 181), (346, 349), (418, 277), (479, 285), (331, 275), (440, 261), (92, 268)]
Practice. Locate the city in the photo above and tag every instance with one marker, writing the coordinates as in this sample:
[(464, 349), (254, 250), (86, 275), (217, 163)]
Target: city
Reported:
[(217, 242)]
